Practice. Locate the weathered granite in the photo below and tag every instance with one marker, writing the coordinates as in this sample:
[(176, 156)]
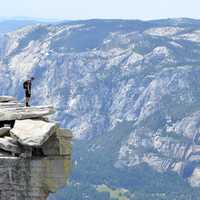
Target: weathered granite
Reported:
[(4, 131), (20, 113), (32, 179), (58, 143), (10, 145), (10, 105), (7, 99), (35, 155), (5, 153), (32, 132), (11, 139)]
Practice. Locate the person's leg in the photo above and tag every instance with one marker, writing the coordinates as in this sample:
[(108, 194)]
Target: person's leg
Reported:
[(27, 95), (28, 99)]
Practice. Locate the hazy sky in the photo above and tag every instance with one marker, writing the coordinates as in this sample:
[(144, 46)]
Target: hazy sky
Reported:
[(86, 9)]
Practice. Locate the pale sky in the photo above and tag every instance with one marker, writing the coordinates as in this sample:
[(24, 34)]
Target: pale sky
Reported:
[(108, 9)]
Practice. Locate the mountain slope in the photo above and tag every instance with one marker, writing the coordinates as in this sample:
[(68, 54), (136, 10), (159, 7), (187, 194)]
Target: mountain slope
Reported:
[(103, 73), (12, 24)]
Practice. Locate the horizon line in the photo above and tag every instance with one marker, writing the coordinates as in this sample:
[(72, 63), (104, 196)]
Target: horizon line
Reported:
[(24, 18)]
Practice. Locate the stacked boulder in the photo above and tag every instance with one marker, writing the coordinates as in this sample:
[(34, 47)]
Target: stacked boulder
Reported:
[(34, 152)]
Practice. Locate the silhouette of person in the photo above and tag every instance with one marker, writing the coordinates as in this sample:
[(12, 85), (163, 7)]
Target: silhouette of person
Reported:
[(27, 89)]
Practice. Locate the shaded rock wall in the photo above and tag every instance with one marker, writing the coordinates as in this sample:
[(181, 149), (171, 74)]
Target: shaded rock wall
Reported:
[(32, 179)]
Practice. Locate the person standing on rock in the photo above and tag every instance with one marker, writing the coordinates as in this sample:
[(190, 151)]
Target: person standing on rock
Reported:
[(27, 89)]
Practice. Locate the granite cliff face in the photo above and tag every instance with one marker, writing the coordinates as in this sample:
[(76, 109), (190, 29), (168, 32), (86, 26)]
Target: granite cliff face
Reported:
[(100, 73), (34, 152)]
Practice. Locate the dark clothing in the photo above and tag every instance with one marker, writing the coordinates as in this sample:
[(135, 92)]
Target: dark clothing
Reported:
[(27, 87), (27, 94)]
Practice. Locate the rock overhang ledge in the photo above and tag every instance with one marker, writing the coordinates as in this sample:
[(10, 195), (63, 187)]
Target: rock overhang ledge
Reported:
[(33, 147), (27, 126)]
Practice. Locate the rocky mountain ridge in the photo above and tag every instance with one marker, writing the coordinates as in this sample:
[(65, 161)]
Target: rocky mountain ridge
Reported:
[(100, 73)]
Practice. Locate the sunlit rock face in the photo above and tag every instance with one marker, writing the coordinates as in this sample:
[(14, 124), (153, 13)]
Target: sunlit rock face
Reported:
[(35, 154)]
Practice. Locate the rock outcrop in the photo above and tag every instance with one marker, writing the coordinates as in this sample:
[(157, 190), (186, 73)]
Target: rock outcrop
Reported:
[(34, 152), (20, 113), (7, 99), (4, 131), (33, 132)]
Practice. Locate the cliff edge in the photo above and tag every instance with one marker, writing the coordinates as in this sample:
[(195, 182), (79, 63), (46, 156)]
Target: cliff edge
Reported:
[(34, 152)]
